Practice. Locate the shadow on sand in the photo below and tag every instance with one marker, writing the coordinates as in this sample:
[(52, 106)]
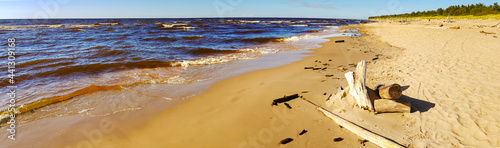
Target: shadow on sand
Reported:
[(418, 105)]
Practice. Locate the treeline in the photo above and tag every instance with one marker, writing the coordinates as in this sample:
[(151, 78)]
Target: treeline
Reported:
[(456, 10)]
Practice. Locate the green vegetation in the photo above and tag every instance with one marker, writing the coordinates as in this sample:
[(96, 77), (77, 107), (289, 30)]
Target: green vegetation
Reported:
[(474, 11)]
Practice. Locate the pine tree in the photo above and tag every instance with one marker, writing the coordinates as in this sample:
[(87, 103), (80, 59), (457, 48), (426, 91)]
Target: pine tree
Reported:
[(496, 7), (440, 11)]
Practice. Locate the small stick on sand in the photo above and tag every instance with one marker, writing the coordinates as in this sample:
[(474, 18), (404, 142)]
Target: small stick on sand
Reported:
[(285, 99)]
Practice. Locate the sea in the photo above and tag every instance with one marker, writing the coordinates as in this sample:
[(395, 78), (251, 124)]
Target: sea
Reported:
[(91, 62)]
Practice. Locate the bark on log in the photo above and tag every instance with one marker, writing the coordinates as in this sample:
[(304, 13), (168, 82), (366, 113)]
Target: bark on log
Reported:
[(392, 106), (390, 92), (357, 83), (360, 131)]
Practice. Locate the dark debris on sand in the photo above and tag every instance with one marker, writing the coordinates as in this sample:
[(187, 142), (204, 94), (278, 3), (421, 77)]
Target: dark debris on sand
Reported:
[(303, 132), (338, 139), (285, 99), (287, 140)]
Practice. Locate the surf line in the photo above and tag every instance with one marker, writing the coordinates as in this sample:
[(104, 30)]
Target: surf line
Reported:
[(152, 96)]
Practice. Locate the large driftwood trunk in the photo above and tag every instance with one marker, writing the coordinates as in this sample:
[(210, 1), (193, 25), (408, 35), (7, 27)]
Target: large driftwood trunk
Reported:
[(357, 83), (390, 92), (392, 106)]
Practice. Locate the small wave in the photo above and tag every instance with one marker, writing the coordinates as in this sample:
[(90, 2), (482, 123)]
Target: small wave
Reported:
[(260, 40), (242, 27), (128, 46), (80, 25), (110, 52), (89, 39), (57, 64), (275, 22), (110, 29), (35, 62), (42, 34), (203, 51), (296, 38), (183, 28), (108, 24), (59, 26), (251, 22), (74, 30), (175, 80), (191, 37), (299, 25), (99, 68), (204, 26), (153, 32), (177, 26), (228, 55), (29, 26), (250, 31), (97, 47), (169, 39)]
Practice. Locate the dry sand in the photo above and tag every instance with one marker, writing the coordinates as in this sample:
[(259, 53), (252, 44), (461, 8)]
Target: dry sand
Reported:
[(454, 69)]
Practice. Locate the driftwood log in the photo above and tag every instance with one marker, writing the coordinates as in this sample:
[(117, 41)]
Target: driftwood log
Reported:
[(360, 131), (392, 106), (390, 92), (357, 83), (368, 99)]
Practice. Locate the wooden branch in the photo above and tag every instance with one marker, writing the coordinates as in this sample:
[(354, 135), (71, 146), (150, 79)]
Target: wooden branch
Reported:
[(357, 83), (285, 99), (360, 131), (390, 92)]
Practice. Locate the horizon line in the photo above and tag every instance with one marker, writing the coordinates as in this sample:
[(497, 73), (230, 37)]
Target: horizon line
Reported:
[(174, 18)]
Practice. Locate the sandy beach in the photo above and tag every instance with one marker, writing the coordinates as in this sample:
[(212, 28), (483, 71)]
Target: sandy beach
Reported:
[(450, 74), (454, 69)]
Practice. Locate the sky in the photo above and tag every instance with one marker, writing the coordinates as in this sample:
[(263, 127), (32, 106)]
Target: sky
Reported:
[(354, 9)]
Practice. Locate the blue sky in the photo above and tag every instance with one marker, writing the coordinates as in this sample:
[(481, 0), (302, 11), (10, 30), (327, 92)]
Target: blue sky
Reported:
[(358, 9)]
